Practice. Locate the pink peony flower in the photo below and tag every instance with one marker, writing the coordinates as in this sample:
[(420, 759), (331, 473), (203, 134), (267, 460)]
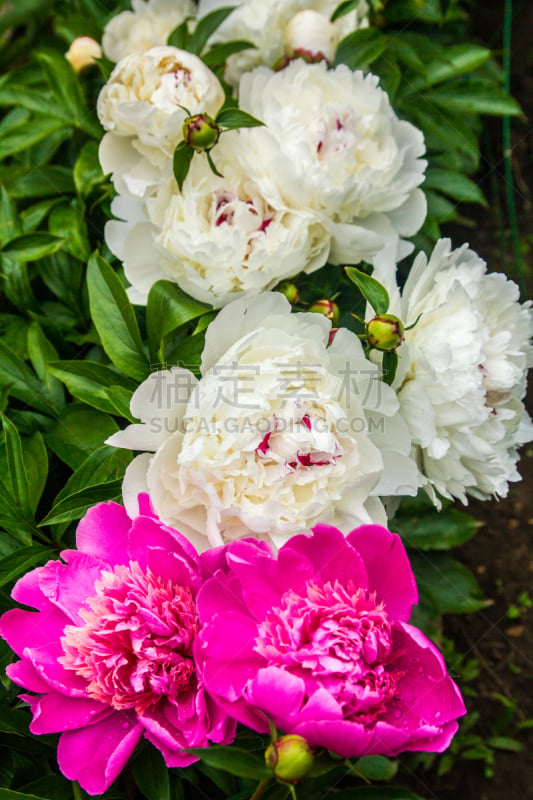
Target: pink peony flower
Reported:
[(109, 650), (318, 641)]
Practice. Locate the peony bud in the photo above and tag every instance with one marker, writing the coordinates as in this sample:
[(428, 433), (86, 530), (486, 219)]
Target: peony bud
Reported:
[(201, 132), (290, 291), (311, 36), (82, 53), (329, 309), (385, 332), (290, 758)]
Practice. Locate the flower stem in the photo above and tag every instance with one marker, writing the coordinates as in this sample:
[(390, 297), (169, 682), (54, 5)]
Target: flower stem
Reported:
[(258, 792)]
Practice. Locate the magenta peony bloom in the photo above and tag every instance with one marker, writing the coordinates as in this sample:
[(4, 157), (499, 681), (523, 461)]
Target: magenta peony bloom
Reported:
[(109, 650), (318, 641)]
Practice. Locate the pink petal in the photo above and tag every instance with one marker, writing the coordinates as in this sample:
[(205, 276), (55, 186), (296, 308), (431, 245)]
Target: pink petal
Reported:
[(320, 706), (146, 508), (225, 655), (28, 592), (68, 586), (95, 756), (23, 674), (103, 532), (220, 594), (45, 661), (54, 713), (263, 579), (22, 629), (165, 551), (331, 556), (278, 694), (388, 569), (346, 739)]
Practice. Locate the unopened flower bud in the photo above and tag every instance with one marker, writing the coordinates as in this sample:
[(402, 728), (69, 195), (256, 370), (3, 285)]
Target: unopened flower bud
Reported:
[(82, 53), (201, 132), (290, 291), (385, 332), (311, 36), (329, 309), (290, 758)]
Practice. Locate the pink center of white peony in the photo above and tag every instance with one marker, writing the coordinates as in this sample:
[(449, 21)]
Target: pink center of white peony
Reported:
[(299, 443), (136, 645), (337, 638), (228, 205), (334, 134)]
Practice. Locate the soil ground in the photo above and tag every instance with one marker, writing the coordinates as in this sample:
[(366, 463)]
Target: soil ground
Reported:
[(501, 554)]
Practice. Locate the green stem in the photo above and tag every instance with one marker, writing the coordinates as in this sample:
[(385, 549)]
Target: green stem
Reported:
[(259, 791), (76, 791), (507, 147)]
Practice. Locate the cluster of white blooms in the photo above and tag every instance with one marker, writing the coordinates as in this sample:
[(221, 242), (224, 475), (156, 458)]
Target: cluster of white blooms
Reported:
[(462, 370), (286, 427)]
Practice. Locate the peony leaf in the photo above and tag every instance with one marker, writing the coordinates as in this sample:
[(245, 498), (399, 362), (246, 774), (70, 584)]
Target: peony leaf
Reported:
[(67, 89), (78, 431), (231, 118), (374, 293), (91, 382), (360, 48), (20, 488), (447, 584), (21, 561), (206, 27), (75, 505), (180, 36), (473, 97), (377, 768), (389, 365), (218, 54), (344, 8), (455, 185), (115, 319), (168, 308), (183, 155), (24, 385), (376, 793), (449, 63), (32, 246), (102, 465), (151, 774), (422, 529), (234, 760)]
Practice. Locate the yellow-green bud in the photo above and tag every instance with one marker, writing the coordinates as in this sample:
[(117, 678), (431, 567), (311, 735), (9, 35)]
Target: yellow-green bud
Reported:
[(201, 132), (290, 291), (290, 758), (385, 332), (329, 309)]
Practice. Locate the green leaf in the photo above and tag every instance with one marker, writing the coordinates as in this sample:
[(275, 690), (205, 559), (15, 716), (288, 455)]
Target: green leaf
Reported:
[(48, 181), (390, 76), (505, 743), (389, 365), (9, 794), (91, 382), (33, 246), (20, 490), (218, 54), (374, 293), (377, 768), (183, 155), (24, 385), (448, 584), (79, 431), (75, 506), (471, 97), (41, 352), (10, 226), (344, 8), (66, 87), (168, 308), (151, 774), (115, 319), (421, 528), (36, 466), (180, 36), (234, 760), (87, 170), (455, 185), (67, 222), (403, 50), (206, 27), (102, 465), (21, 141), (231, 118), (360, 48), (450, 63), (440, 208), (19, 562)]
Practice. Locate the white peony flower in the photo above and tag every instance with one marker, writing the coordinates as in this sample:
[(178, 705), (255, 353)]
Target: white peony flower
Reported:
[(332, 144), (264, 23), (148, 25), (142, 108), (462, 370), (219, 238), (279, 431)]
